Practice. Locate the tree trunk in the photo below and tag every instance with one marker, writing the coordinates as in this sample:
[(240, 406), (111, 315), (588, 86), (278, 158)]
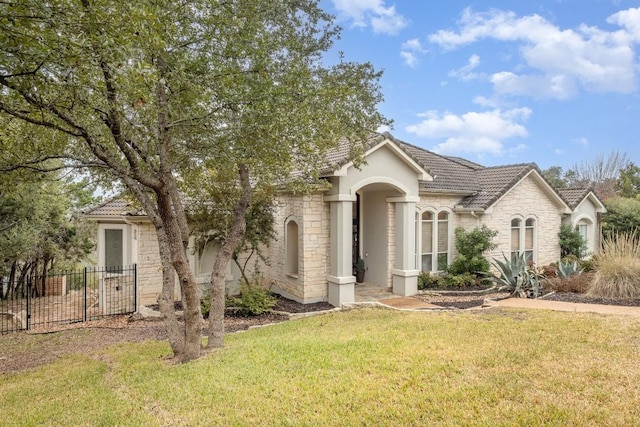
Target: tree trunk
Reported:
[(167, 307), (223, 257)]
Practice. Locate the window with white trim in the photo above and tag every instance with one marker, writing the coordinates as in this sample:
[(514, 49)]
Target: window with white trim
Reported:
[(523, 235), (433, 246), (114, 246)]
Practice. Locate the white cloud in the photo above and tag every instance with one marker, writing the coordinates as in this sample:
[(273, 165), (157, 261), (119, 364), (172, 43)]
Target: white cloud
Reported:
[(374, 13), (472, 132), (581, 141), (628, 19), (465, 72), (411, 50), (558, 62)]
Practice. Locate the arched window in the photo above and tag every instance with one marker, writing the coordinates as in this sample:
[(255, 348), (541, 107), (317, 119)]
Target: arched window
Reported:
[(433, 243), (529, 236), (523, 238), (586, 230), (516, 226), (426, 249), (443, 240), (291, 248)]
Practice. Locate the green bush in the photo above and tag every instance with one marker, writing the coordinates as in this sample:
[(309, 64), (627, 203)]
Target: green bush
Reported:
[(471, 246), (571, 242), (460, 280), (623, 216), (205, 307), (253, 300), (431, 281), (427, 280), (587, 265)]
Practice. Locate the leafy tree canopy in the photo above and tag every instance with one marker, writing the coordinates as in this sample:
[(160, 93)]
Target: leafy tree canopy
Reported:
[(159, 96)]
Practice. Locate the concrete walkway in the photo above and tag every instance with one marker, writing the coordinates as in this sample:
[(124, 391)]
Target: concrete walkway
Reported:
[(563, 306), (370, 293)]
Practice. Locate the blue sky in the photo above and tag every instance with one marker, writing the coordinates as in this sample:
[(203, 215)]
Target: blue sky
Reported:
[(555, 82)]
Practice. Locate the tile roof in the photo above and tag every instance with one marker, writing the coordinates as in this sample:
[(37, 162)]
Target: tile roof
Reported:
[(574, 195), (449, 173), (341, 155), (478, 186), (115, 207), (494, 182), (483, 185)]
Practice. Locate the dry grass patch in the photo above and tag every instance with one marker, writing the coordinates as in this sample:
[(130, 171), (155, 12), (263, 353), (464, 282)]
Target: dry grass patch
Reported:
[(371, 367), (618, 268)]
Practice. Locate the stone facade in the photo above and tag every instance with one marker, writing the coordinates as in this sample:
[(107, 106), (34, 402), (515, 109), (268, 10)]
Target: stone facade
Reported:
[(149, 266), (526, 200), (311, 215)]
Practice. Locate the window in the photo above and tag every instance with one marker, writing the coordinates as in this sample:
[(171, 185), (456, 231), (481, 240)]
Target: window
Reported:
[(427, 241), (113, 249), (443, 240), (585, 228), (433, 241), (523, 238), (291, 249)]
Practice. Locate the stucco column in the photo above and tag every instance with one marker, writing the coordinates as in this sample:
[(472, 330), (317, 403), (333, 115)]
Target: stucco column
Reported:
[(340, 278), (405, 273)]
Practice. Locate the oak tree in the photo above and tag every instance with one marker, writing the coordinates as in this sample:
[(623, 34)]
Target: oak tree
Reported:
[(158, 96)]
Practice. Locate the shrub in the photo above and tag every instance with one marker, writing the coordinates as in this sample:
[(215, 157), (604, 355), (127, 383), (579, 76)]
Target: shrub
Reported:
[(617, 268), (587, 265), (427, 280), (253, 300), (571, 242), (577, 283), (460, 280), (471, 246), (205, 307)]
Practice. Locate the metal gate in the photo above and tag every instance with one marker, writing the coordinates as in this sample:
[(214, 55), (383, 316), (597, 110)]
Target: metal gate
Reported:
[(41, 302)]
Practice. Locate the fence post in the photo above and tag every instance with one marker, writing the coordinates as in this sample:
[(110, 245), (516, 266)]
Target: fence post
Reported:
[(135, 288), (84, 285), (28, 301)]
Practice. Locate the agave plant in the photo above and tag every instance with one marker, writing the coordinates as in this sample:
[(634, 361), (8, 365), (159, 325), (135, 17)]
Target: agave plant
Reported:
[(566, 269), (517, 277)]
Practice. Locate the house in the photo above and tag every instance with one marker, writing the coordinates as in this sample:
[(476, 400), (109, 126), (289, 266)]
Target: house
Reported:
[(398, 212)]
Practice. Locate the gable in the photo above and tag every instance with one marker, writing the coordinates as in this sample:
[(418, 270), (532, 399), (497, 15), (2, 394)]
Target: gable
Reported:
[(537, 191), (387, 150)]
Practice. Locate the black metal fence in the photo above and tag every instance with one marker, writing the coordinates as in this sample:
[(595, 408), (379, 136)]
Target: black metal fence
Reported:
[(67, 297)]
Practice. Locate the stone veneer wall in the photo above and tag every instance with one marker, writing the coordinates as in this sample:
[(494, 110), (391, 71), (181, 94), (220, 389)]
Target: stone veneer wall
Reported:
[(312, 216), (391, 245), (149, 266), (526, 200)]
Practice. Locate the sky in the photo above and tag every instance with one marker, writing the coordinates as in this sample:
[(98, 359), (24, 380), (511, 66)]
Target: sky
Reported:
[(555, 82)]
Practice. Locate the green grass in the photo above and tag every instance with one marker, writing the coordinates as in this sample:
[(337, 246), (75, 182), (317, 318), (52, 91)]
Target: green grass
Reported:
[(364, 367)]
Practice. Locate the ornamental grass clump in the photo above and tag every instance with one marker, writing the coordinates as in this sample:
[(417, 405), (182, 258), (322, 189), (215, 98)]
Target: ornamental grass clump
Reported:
[(618, 268)]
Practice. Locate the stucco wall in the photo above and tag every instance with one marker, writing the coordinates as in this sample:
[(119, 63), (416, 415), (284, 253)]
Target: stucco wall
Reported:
[(586, 210)]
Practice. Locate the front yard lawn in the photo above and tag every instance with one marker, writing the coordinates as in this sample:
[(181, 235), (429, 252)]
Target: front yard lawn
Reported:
[(362, 367)]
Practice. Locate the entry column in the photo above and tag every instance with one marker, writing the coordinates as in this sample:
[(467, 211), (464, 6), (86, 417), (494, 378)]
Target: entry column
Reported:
[(341, 279), (405, 273)]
